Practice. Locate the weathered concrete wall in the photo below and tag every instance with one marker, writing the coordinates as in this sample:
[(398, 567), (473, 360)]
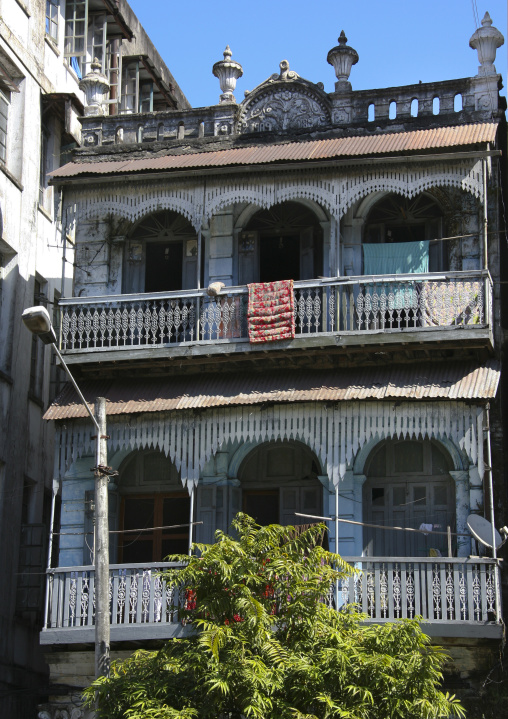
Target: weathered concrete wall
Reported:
[(30, 247)]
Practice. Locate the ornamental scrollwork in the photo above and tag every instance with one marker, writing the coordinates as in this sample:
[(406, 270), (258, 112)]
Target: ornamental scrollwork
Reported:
[(283, 109)]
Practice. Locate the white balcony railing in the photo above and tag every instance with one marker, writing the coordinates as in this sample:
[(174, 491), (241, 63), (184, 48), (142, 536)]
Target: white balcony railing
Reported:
[(452, 591), (344, 304)]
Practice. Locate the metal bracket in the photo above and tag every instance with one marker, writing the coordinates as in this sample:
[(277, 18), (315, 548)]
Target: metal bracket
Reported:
[(104, 469)]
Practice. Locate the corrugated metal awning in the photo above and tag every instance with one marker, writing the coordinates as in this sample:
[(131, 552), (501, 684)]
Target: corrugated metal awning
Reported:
[(376, 144), (425, 381)]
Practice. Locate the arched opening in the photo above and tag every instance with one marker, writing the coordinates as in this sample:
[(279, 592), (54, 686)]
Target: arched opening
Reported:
[(161, 254), (371, 112), (392, 110), (278, 479), (436, 106), (396, 219), (414, 107), (282, 243), (457, 102), (152, 500), (408, 484)]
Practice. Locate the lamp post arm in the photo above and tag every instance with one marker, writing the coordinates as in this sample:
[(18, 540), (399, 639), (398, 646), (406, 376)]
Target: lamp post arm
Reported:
[(80, 395)]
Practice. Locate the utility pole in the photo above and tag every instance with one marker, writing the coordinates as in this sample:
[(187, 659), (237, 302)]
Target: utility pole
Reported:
[(102, 659), (38, 321)]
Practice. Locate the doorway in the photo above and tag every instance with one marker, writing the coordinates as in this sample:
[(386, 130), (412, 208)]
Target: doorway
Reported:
[(152, 502), (284, 242), (278, 480), (408, 484)]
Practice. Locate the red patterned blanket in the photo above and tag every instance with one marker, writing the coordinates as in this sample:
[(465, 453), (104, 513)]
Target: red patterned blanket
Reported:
[(270, 314)]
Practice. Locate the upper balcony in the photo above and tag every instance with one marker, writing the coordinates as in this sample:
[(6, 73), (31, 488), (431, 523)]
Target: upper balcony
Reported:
[(432, 309), (455, 597)]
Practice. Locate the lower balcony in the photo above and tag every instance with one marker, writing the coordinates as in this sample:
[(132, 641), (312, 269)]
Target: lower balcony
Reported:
[(456, 597), (433, 307)]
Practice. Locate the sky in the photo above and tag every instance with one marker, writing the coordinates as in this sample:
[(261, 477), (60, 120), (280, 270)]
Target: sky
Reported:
[(400, 42)]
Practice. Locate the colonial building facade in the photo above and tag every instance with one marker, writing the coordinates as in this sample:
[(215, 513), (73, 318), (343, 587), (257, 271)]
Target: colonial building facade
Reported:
[(372, 223)]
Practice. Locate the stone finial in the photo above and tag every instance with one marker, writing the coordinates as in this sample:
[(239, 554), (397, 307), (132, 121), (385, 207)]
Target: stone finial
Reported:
[(95, 85), (342, 57), (227, 71), (485, 41)]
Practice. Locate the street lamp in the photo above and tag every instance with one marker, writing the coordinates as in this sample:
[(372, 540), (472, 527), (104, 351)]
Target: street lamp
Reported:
[(38, 321)]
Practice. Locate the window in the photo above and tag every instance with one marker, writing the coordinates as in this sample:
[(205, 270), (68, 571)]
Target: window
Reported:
[(4, 111), (52, 19), (137, 89), (96, 42), (113, 71), (76, 24)]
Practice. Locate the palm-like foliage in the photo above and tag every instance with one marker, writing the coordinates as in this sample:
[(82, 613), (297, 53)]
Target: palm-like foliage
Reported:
[(268, 646)]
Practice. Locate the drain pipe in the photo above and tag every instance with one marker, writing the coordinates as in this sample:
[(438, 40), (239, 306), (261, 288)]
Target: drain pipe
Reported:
[(191, 520), (56, 488), (490, 485), (485, 216), (337, 543)]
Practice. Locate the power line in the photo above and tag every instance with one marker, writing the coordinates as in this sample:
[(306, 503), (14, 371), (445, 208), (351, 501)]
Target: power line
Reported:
[(126, 531), (383, 526)]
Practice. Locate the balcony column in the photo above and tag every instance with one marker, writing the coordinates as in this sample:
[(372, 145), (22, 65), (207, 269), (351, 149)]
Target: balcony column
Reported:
[(115, 265), (350, 535), (329, 251), (463, 509)]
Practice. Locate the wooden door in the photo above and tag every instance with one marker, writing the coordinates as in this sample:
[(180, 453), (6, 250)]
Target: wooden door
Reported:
[(155, 516), (407, 504)]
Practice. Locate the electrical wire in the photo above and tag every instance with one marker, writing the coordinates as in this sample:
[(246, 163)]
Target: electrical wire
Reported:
[(383, 526), (126, 531)]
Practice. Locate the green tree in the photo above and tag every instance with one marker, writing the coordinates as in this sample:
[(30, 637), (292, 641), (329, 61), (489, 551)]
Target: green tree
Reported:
[(267, 645)]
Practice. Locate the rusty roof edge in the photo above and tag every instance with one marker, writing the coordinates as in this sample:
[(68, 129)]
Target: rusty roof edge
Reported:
[(476, 384), (269, 166)]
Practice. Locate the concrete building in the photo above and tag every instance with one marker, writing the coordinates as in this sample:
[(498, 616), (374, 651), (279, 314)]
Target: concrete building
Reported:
[(355, 377), (46, 47)]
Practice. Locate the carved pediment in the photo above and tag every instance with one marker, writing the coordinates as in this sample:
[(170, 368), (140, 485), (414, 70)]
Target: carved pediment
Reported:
[(283, 103)]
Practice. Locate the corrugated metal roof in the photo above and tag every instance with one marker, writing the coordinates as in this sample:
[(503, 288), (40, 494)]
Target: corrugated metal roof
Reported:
[(453, 380), (388, 142)]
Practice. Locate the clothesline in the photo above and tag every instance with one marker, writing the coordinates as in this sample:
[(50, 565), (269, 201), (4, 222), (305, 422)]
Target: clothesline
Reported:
[(383, 526)]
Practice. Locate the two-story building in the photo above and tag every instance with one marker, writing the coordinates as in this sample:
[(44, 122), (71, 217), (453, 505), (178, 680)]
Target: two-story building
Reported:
[(292, 305), (46, 47)]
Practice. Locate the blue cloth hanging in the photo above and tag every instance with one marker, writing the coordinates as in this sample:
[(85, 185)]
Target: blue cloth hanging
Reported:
[(395, 258), (75, 66)]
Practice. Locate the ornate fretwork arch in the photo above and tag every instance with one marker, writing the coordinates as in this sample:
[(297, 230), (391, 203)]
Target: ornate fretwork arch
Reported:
[(409, 181), (334, 191), (335, 434), (132, 201)]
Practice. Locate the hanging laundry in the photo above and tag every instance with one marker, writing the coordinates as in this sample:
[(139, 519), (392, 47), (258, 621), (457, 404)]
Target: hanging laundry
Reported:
[(270, 311)]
